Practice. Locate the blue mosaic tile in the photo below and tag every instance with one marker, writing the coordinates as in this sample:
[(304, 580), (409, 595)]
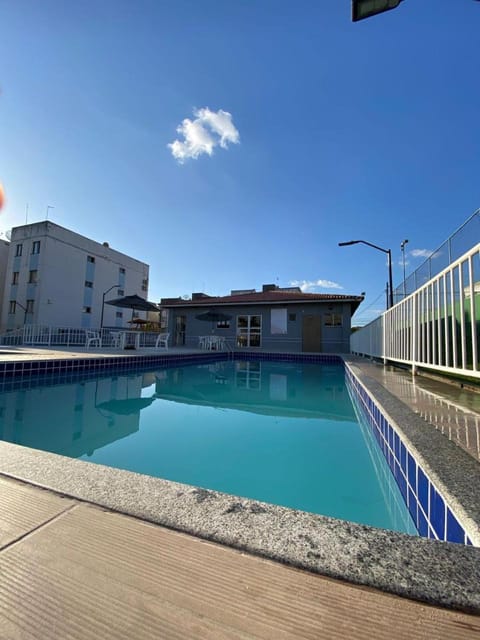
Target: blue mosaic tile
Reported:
[(412, 505), (455, 532), (422, 491), (396, 445), (403, 458), (402, 484), (412, 472), (422, 524), (437, 512)]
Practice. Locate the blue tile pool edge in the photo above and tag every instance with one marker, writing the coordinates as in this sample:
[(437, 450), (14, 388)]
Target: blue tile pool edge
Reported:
[(431, 512)]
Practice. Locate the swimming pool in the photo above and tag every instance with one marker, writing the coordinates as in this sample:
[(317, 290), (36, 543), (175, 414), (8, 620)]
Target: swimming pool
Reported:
[(280, 432)]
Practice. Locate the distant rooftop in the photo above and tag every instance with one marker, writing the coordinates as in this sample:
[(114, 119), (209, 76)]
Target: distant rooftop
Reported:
[(270, 294)]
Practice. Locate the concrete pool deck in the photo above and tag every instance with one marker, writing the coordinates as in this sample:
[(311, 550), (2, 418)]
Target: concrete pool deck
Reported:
[(438, 573)]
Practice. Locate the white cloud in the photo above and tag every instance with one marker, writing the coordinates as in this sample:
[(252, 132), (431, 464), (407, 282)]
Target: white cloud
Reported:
[(310, 285), (201, 135), (421, 253)]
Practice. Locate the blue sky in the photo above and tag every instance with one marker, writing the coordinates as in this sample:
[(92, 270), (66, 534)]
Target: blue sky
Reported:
[(337, 131)]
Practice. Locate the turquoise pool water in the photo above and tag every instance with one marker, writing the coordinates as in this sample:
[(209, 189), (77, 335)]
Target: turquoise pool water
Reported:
[(281, 432)]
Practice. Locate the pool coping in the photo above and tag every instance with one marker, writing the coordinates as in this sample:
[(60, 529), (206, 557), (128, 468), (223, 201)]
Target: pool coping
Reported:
[(439, 573)]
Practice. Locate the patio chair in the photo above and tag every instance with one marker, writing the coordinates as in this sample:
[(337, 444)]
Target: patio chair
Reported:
[(162, 341), (92, 338), (118, 339)]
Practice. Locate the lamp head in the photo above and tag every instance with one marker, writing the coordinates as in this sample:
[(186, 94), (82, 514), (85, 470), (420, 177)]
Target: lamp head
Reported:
[(367, 8), (346, 244)]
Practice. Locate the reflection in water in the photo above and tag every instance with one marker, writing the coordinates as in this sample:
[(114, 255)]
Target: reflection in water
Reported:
[(281, 432), (77, 418), (280, 388)]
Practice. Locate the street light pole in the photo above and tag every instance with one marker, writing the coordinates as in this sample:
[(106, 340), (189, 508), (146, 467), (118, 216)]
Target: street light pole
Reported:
[(103, 302), (389, 254), (402, 247)]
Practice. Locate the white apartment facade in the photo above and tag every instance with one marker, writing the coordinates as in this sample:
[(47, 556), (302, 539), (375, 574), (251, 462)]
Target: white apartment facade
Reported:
[(57, 277)]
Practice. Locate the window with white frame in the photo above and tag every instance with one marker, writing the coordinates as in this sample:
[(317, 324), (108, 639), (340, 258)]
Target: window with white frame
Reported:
[(249, 331), (18, 250), (33, 277), (15, 277), (29, 308), (36, 246), (12, 307), (333, 319), (278, 321)]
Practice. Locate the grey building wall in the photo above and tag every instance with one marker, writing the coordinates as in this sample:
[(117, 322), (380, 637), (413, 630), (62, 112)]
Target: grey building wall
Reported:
[(65, 263), (333, 339)]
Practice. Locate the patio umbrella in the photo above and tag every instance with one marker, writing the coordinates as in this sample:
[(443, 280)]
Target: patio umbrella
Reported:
[(133, 302), (126, 407), (213, 316)]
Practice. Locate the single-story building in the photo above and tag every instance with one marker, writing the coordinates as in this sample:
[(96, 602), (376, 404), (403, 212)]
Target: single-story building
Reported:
[(274, 319)]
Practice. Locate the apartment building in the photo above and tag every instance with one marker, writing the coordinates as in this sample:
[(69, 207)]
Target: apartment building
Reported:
[(57, 277)]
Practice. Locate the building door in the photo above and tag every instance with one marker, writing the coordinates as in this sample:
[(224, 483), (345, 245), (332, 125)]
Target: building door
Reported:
[(180, 325), (312, 333)]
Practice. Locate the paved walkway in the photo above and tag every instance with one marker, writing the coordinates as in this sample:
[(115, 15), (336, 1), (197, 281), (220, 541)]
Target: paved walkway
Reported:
[(73, 571), (453, 410)]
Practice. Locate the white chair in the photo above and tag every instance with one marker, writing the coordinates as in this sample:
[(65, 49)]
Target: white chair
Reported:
[(92, 339), (118, 339), (162, 341)]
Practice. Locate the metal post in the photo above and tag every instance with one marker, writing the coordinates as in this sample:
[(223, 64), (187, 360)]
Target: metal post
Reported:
[(103, 302), (402, 247)]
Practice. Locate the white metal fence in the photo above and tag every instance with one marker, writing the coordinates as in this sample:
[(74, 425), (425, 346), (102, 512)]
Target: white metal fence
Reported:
[(436, 327), (36, 335), (452, 249)]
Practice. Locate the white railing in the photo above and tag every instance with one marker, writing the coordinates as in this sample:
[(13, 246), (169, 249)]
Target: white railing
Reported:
[(436, 327), (36, 335)]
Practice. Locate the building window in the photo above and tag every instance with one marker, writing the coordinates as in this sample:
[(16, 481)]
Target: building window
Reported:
[(292, 317), (145, 284), (333, 319), (89, 284), (18, 250), (13, 306), (90, 259), (249, 330), (223, 324), (278, 321), (121, 270), (29, 308), (15, 277), (87, 309), (33, 277), (120, 292), (119, 314), (36, 246)]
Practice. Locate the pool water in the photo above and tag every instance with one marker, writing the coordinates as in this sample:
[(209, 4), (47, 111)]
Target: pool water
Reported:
[(281, 432)]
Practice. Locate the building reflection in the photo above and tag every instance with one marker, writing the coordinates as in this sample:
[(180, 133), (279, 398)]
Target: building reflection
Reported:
[(280, 388), (74, 419)]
